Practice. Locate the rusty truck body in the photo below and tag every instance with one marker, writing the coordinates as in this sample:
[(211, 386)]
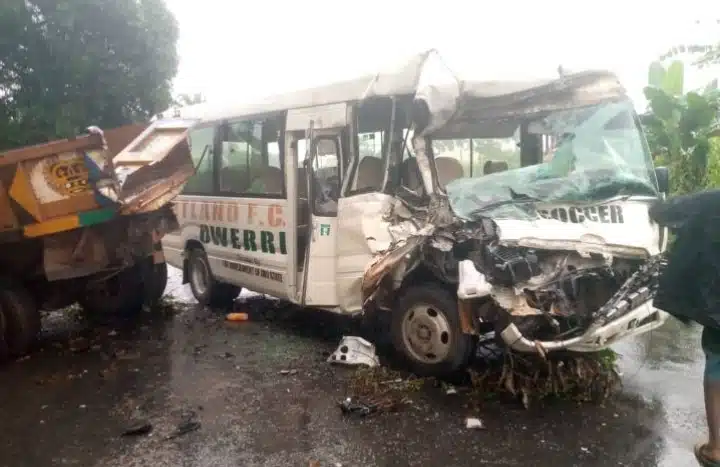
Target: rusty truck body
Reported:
[(81, 221)]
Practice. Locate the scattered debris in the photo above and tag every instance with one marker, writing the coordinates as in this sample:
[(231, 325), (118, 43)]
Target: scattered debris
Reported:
[(451, 390), (184, 428), (581, 377), (472, 423), (354, 351), (350, 406), (139, 429), (288, 372)]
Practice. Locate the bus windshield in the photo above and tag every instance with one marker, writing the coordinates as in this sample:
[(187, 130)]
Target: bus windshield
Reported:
[(599, 152)]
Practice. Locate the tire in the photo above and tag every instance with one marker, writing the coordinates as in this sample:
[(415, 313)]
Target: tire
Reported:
[(426, 331), (155, 282), (4, 350), (22, 318), (121, 294), (205, 288)]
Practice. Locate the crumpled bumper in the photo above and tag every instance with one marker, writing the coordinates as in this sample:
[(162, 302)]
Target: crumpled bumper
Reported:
[(639, 320)]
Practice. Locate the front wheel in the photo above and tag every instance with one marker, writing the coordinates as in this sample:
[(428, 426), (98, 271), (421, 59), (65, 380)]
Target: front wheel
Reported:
[(426, 331), (155, 282), (120, 294), (205, 288)]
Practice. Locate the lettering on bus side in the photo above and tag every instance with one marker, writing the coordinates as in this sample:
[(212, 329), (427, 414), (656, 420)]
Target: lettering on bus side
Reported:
[(253, 270), (244, 239), (603, 214)]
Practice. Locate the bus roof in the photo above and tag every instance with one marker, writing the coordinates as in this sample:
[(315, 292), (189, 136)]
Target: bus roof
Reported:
[(402, 81)]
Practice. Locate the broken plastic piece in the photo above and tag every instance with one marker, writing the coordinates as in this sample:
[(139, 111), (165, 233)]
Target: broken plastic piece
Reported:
[(472, 423), (353, 351), (237, 317), (472, 283), (139, 429)]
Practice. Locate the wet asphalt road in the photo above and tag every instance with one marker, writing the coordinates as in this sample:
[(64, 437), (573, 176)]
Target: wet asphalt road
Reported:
[(63, 408)]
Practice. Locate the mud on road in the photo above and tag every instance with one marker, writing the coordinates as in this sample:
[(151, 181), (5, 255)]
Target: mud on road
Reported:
[(231, 384)]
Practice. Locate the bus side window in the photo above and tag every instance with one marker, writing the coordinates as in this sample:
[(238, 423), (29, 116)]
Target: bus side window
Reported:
[(459, 158), (250, 162), (201, 150), (371, 140), (326, 177)]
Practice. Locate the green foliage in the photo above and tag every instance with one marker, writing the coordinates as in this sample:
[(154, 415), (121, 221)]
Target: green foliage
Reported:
[(679, 126), (66, 64), (671, 80)]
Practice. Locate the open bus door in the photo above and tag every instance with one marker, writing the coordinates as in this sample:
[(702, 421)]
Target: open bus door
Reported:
[(316, 150)]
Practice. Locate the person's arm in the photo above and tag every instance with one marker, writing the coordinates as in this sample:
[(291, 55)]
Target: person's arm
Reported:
[(677, 210)]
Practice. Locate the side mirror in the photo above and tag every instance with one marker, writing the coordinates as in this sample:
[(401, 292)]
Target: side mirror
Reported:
[(663, 178)]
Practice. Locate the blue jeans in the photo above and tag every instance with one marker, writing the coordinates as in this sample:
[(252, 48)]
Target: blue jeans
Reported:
[(711, 346)]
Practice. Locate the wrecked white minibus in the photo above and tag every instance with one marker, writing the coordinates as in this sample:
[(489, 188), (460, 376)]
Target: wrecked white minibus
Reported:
[(452, 208)]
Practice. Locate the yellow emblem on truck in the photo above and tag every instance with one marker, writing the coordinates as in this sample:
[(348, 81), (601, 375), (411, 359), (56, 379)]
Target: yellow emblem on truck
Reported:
[(67, 174)]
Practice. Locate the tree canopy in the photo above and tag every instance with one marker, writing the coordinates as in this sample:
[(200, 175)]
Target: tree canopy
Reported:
[(68, 64)]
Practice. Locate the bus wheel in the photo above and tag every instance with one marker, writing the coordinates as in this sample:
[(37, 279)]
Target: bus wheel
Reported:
[(120, 294), (154, 281), (206, 290), (4, 351), (21, 316), (426, 330)]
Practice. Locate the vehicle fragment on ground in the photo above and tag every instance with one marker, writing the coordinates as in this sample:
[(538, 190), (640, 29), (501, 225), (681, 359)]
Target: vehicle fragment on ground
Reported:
[(354, 351)]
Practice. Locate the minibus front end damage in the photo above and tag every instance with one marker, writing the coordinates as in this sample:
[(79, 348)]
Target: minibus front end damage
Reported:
[(557, 255), (540, 298)]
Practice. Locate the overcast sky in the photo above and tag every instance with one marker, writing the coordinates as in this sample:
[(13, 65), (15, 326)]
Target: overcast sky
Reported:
[(260, 47)]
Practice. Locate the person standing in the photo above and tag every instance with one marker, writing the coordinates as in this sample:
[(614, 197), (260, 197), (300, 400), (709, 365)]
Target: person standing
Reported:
[(695, 253)]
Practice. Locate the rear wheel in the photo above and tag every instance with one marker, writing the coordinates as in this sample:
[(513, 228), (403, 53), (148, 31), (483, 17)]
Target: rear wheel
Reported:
[(4, 351), (21, 318), (121, 293), (426, 331), (205, 288)]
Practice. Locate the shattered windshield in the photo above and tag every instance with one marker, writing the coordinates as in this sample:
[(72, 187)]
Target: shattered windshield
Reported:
[(599, 152)]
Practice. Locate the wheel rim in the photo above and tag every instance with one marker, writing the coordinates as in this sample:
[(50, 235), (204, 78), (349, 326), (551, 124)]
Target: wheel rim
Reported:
[(426, 334), (200, 277)]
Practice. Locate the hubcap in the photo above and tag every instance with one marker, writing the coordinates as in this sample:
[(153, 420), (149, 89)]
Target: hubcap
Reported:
[(426, 334), (200, 277)]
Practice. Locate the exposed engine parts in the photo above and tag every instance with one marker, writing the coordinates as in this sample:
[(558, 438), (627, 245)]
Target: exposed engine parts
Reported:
[(549, 294)]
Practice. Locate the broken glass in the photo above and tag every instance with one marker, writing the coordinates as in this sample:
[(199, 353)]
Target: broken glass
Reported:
[(600, 153)]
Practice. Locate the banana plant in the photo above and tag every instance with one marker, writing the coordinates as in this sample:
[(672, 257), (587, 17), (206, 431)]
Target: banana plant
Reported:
[(679, 125)]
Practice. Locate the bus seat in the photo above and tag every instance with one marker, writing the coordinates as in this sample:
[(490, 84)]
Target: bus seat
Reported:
[(410, 174), (492, 167), (370, 174), (268, 180), (448, 169), (234, 179)]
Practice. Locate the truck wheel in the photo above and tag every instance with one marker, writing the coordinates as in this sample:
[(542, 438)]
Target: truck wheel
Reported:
[(206, 290), (4, 351), (22, 318), (155, 281), (426, 331), (122, 293)]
